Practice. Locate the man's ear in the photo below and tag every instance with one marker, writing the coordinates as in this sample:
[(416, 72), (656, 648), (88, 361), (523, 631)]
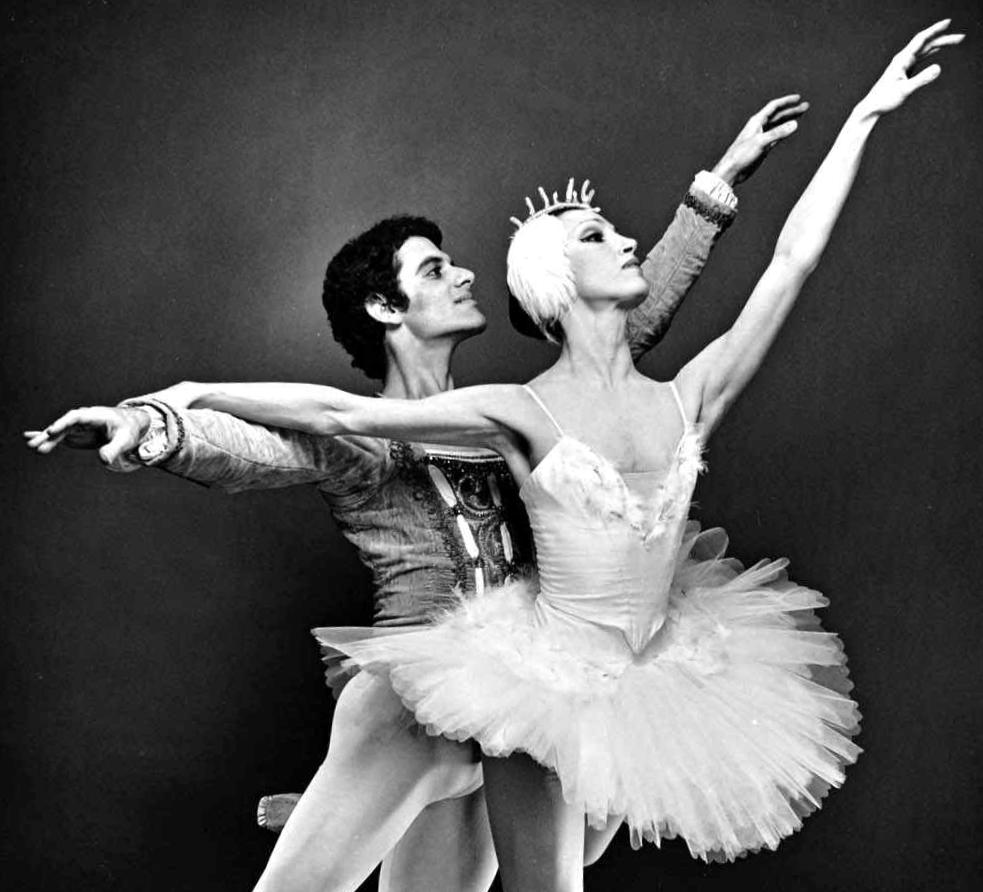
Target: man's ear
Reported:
[(380, 309)]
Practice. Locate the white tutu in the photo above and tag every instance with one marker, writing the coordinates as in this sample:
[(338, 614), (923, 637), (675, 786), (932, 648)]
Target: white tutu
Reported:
[(726, 729)]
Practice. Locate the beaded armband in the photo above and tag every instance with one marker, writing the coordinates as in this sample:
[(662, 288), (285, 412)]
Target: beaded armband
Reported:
[(717, 217)]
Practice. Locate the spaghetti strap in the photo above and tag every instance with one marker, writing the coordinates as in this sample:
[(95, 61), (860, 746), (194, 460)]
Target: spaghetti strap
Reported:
[(542, 406), (679, 403)]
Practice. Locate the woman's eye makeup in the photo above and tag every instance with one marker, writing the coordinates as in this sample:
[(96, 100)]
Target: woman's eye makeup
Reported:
[(592, 236)]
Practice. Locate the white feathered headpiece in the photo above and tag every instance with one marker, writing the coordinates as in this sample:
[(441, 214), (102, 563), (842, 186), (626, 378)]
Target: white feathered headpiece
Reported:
[(538, 272)]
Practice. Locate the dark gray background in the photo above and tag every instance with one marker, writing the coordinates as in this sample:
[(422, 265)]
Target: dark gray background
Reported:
[(176, 176)]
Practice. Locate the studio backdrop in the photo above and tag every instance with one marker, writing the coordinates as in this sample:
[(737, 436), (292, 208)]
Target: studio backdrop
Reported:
[(176, 176)]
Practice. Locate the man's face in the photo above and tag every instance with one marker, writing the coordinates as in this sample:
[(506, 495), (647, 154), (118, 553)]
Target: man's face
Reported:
[(439, 293)]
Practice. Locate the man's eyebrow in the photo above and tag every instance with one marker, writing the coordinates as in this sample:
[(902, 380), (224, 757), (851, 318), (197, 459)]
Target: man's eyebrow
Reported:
[(432, 258)]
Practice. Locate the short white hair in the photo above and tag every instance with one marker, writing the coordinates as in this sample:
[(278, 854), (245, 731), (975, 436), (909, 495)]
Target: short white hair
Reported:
[(539, 274)]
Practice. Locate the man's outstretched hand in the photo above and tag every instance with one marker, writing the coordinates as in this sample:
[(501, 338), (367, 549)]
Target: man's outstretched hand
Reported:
[(113, 431), (764, 130)]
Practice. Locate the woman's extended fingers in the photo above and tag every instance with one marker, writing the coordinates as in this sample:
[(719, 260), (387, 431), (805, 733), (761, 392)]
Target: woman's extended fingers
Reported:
[(923, 78), (927, 42), (934, 46), (923, 37)]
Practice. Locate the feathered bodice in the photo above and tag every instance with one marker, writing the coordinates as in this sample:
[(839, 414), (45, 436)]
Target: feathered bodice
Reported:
[(606, 542)]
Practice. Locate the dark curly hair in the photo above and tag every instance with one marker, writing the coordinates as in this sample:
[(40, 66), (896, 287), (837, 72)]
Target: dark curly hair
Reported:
[(367, 265)]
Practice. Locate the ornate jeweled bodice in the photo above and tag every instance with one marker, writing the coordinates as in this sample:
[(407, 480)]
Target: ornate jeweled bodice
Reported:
[(472, 500)]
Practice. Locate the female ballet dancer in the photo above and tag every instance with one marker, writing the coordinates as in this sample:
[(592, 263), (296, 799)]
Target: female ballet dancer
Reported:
[(646, 676)]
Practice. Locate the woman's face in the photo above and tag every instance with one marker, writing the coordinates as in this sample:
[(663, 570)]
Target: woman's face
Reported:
[(602, 261)]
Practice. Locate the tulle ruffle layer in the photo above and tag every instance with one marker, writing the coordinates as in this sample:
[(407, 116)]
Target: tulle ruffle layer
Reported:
[(726, 730)]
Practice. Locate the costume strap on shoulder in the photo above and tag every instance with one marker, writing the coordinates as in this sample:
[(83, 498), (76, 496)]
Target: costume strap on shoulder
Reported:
[(542, 406), (679, 402)]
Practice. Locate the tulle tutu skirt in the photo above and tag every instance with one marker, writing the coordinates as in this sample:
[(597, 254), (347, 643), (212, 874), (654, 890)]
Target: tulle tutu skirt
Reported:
[(726, 730)]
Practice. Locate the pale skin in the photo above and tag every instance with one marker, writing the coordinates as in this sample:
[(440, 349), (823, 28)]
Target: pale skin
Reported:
[(598, 396)]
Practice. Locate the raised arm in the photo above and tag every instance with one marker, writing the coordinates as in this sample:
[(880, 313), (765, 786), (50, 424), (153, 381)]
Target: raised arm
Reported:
[(718, 374), (709, 207)]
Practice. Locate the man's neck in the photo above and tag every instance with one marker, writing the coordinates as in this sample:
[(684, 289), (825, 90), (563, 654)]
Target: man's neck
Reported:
[(418, 371)]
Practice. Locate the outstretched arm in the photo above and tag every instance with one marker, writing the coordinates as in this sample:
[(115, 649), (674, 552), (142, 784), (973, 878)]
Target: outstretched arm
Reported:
[(719, 373), (675, 263), (214, 449), (470, 416), (460, 417)]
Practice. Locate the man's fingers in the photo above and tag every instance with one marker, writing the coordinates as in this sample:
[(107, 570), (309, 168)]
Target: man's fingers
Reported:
[(786, 114), (50, 442), (115, 447), (771, 107), (91, 415), (777, 134), (42, 441), (66, 421)]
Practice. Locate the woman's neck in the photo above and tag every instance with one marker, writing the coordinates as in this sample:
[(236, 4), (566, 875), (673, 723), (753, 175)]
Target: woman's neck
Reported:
[(595, 346)]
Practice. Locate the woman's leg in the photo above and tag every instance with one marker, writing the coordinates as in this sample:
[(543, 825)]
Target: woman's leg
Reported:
[(381, 771), (539, 838), (448, 848)]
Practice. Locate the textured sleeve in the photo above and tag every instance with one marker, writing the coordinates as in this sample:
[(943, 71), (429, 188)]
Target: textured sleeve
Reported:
[(219, 450), (676, 262)]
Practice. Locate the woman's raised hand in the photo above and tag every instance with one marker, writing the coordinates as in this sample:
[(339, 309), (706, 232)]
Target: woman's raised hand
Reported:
[(895, 85)]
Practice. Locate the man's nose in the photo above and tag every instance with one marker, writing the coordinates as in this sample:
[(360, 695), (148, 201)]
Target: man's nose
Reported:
[(464, 276)]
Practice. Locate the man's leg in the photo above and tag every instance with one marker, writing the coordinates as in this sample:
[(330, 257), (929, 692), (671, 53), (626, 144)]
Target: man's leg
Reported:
[(539, 837), (381, 771), (448, 848), (596, 841)]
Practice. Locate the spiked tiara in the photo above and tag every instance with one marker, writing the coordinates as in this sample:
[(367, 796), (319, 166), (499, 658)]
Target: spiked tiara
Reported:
[(572, 199)]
